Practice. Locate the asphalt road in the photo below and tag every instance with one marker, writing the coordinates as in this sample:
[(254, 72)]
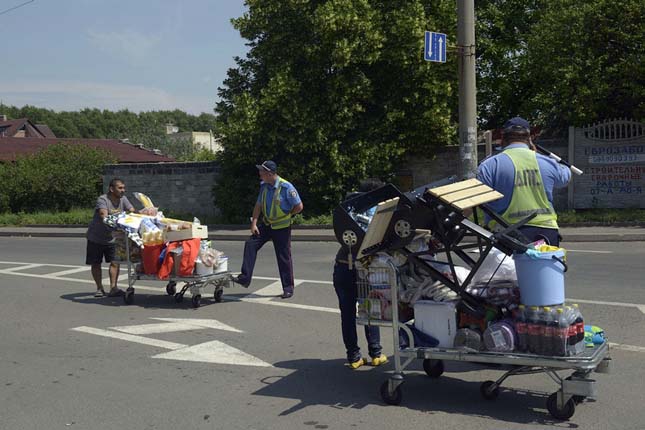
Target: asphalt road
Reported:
[(254, 361)]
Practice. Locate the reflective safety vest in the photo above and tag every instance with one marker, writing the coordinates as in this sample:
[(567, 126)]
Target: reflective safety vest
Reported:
[(528, 192), (276, 217)]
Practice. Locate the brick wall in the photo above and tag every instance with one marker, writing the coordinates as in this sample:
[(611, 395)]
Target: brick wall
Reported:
[(184, 188)]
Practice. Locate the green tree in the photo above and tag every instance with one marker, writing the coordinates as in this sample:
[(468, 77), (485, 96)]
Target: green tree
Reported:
[(587, 62), (333, 91), (503, 83), (60, 177)]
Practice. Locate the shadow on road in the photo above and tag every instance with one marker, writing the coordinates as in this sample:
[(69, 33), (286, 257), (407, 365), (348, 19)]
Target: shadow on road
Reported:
[(316, 382), (143, 300)]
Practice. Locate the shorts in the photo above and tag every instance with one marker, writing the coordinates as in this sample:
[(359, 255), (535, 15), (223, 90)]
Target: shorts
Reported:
[(95, 252)]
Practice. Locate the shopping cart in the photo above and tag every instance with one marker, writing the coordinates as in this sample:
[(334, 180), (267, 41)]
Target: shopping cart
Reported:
[(195, 284), (378, 305)]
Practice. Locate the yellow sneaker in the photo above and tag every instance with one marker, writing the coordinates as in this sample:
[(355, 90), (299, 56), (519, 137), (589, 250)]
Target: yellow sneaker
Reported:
[(356, 364), (381, 359)]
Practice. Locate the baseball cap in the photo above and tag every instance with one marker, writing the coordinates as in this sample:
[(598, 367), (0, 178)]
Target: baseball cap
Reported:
[(516, 123), (268, 166)]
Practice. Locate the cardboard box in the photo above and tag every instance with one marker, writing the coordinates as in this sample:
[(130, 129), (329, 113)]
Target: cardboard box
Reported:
[(196, 230), (437, 319)]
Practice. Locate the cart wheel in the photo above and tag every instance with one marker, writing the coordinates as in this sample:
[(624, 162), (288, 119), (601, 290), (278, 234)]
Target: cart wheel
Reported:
[(391, 398), (576, 398), (560, 414), (171, 288), (433, 368), (128, 297), (179, 297), (218, 295), (489, 390), (196, 300)]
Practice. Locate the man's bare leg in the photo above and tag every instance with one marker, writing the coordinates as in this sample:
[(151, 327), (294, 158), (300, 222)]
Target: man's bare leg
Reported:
[(97, 275), (114, 277)]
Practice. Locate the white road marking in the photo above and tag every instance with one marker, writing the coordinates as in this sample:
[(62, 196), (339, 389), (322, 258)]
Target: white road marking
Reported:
[(594, 302), (130, 338), (630, 348), (69, 271), (155, 328), (588, 251), (202, 323), (44, 264), (214, 352), (24, 267)]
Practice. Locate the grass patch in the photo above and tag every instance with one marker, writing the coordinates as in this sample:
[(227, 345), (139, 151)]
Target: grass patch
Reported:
[(602, 216), (71, 217)]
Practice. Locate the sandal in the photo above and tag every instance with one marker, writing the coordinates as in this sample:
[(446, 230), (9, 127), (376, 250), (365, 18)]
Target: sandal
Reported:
[(99, 293), (116, 292)]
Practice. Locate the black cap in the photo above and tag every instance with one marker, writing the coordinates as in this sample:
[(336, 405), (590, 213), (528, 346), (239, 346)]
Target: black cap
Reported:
[(268, 166), (516, 124)]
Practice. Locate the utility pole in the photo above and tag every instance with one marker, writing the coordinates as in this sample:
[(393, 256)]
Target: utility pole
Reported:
[(467, 88)]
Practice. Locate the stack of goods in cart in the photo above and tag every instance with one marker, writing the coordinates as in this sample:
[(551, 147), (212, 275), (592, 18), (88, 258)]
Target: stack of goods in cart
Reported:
[(165, 247), (523, 297)]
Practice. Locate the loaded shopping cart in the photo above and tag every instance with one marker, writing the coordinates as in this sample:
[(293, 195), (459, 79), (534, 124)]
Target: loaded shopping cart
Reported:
[(422, 244), (196, 283), (156, 248)]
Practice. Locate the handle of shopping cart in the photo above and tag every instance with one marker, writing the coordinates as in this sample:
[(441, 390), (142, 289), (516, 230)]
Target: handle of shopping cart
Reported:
[(559, 260), (550, 154)]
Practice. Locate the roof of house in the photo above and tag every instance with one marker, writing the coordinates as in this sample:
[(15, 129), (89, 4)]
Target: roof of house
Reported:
[(12, 147), (11, 127), (45, 130)]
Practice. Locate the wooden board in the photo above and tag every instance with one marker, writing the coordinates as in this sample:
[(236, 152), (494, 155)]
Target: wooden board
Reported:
[(457, 186), (468, 192), (379, 224), (477, 200)]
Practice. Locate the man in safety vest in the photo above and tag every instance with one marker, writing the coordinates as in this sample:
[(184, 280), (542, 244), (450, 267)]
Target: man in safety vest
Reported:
[(526, 179), (277, 202)]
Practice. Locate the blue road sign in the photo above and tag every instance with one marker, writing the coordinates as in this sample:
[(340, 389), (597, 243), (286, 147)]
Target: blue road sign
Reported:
[(435, 47)]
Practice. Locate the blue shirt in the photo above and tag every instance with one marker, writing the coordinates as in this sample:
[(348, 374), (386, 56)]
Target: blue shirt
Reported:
[(498, 172), (288, 195)]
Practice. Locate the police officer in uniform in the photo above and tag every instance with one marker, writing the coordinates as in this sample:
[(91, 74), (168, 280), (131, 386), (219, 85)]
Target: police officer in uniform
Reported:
[(277, 202), (527, 180)]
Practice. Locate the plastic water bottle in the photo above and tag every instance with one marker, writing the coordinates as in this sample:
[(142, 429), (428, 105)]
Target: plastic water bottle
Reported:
[(548, 330), (561, 334), (572, 334), (580, 329), (521, 328), (533, 329)]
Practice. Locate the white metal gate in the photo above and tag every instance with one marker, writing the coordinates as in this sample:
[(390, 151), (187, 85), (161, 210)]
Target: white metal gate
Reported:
[(612, 156)]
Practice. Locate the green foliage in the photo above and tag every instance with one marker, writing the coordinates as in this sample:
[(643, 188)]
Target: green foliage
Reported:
[(147, 128), (59, 177), (601, 216), (333, 91), (74, 216), (586, 62), (560, 62)]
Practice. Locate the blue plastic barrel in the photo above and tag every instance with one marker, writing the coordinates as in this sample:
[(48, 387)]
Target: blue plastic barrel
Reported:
[(540, 276)]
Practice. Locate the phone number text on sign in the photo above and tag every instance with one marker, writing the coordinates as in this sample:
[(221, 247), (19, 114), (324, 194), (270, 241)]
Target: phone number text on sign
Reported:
[(617, 158)]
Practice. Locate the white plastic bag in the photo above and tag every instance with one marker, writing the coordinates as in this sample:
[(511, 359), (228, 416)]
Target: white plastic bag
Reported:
[(497, 266)]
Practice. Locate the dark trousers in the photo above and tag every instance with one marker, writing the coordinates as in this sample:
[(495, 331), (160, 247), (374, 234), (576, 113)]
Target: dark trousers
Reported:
[(551, 235), (281, 244), (345, 286)]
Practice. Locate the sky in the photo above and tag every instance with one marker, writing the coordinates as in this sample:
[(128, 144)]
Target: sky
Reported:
[(140, 55)]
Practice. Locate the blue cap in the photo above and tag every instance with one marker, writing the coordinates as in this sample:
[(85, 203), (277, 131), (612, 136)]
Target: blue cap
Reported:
[(268, 166), (517, 122)]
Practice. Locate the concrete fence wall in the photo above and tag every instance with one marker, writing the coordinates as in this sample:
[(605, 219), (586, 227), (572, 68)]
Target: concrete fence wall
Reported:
[(178, 187)]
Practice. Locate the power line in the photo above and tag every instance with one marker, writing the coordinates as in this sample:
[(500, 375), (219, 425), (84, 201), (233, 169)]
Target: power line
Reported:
[(16, 7)]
